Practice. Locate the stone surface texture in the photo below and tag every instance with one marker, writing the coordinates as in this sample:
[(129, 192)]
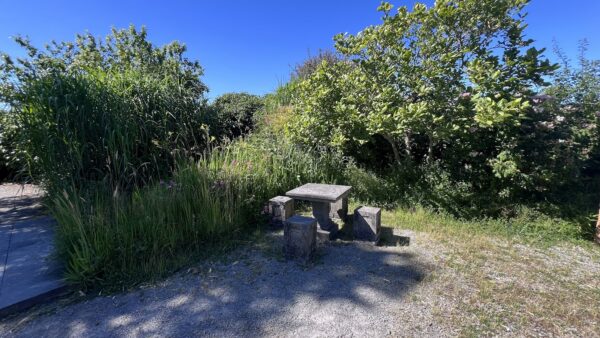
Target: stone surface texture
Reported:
[(322, 213), (320, 192), (339, 209), (367, 224), (300, 235), (328, 202), (280, 209), (323, 236)]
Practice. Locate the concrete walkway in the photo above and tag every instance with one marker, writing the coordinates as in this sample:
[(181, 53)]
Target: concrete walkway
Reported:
[(28, 272)]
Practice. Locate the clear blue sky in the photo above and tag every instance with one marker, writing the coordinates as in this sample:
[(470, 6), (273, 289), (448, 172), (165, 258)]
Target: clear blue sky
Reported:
[(252, 45)]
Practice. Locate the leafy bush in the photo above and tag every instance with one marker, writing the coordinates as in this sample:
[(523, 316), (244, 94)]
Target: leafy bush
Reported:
[(113, 240), (574, 103), (234, 115), (446, 96), (309, 66), (117, 112), (10, 164)]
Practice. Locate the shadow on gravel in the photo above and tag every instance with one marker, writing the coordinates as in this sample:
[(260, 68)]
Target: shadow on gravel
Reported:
[(17, 207), (255, 292), (388, 238), (26, 209)]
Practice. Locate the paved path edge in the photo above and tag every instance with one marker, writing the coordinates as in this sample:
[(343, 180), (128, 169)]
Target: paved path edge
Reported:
[(42, 298)]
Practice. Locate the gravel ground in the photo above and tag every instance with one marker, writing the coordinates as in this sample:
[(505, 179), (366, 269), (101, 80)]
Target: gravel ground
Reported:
[(19, 202), (353, 289)]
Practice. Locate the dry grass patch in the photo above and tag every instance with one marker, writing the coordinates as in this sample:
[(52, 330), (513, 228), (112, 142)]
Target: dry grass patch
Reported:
[(496, 285)]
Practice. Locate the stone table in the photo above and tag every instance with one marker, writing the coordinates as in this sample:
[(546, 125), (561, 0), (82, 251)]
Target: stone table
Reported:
[(328, 202)]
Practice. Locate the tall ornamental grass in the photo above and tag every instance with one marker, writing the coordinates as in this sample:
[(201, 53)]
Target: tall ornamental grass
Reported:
[(117, 112), (113, 240)]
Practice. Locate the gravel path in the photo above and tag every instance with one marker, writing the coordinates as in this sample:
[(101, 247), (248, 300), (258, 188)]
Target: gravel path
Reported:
[(352, 290), (19, 202)]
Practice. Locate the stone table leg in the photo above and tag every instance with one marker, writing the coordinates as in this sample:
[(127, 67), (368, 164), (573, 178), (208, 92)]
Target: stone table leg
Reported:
[(321, 211), (339, 209)]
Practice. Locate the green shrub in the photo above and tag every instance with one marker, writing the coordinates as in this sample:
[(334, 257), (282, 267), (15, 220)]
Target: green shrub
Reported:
[(234, 114), (10, 161), (445, 109), (116, 113), (309, 66), (282, 96)]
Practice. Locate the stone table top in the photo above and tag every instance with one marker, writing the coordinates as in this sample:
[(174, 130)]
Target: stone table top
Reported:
[(319, 192)]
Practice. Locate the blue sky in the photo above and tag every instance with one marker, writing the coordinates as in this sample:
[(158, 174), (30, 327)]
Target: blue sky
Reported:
[(252, 45)]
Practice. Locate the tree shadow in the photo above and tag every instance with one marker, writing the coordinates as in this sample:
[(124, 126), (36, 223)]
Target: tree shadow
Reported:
[(386, 238), (16, 206), (254, 291)]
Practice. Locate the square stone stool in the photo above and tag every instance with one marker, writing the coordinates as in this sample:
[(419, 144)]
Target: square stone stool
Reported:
[(300, 236), (280, 209), (367, 224)]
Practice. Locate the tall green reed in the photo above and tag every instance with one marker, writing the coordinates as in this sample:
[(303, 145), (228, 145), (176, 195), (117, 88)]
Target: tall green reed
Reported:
[(103, 127), (118, 239)]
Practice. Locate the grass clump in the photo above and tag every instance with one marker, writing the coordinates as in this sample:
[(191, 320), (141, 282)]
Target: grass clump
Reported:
[(527, 225), (117, 239), (117, 112)]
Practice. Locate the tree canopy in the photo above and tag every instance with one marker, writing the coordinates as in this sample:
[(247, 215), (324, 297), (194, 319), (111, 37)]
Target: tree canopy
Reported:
[(454, 84)]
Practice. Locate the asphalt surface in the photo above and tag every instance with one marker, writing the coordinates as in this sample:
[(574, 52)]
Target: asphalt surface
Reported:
[(29, 274)]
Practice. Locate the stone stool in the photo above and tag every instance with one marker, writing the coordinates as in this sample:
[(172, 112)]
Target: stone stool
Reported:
[(300, 235), (280, 208), (367, 224)]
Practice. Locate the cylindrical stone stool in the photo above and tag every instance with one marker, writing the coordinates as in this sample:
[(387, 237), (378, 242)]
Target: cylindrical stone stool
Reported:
[(300, 235)]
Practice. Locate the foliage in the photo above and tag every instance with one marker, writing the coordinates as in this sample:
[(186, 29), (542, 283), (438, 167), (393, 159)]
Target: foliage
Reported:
[(234, 114), (9, 156), (309, 66), (450, 87), (110, 240), (116, 112), (574, 102), (527, 225)]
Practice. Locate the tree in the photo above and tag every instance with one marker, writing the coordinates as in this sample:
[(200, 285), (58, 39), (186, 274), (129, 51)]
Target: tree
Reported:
[(309, 66), (449, 83)]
